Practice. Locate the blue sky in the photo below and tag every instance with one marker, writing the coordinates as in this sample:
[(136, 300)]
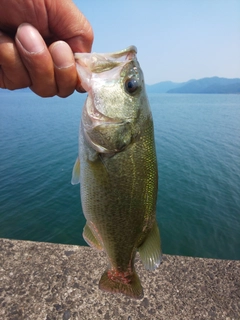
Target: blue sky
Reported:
[(177, 40)]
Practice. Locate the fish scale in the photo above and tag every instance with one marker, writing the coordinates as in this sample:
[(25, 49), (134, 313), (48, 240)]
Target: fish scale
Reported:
[(118, 168)]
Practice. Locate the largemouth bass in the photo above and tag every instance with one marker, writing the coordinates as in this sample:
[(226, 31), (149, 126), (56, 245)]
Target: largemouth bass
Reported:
[(117, 168)]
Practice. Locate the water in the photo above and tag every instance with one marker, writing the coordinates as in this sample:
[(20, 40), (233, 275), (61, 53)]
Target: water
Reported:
[(198, 148)]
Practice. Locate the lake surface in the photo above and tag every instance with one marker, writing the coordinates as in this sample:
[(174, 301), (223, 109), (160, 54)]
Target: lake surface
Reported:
[(198, 147)]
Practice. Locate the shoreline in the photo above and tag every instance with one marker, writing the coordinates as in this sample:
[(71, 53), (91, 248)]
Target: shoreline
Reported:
[(45, 281)]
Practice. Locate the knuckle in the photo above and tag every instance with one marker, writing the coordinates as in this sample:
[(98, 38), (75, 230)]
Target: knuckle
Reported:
[(12, 83), (44, 91), (65, 94)]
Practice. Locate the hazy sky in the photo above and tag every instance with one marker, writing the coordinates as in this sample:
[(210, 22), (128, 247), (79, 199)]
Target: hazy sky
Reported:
[(177, 40)]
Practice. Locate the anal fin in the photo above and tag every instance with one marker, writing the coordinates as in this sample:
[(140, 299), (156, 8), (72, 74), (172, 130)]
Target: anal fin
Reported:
[(90, 238), (150, 250)]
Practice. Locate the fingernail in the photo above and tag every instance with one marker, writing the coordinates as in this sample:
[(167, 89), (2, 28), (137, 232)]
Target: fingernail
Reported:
[(62, 55), (30, 38)]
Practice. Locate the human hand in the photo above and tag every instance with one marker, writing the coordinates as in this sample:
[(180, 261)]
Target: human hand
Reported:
[(37, 41)]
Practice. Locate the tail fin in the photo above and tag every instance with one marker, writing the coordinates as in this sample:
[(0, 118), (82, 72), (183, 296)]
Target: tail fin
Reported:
[(129, 285)]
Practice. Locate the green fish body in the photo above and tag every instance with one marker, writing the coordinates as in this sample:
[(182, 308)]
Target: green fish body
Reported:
[(117, 168)]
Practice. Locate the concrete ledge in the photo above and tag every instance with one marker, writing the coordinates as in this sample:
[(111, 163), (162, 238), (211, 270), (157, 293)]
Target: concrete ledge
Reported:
[(45, 281)]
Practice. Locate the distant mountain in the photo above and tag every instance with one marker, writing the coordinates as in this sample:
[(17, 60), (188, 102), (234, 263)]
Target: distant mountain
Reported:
[(205, 85), (209, 85)]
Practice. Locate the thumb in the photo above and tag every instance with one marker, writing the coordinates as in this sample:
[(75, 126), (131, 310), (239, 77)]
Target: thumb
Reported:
[(67, 23)]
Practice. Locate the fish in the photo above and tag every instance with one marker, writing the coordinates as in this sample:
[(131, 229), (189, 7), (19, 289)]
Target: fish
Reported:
[(117, 168)]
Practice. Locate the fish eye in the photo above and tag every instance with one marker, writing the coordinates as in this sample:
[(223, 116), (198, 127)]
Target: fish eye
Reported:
[(131, 85)]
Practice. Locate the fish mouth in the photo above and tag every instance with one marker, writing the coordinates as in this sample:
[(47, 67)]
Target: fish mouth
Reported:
[(90, 63), (100, 62), (93, 68)]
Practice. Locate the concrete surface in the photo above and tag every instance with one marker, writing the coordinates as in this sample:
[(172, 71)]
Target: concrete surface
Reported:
[(45, 281)]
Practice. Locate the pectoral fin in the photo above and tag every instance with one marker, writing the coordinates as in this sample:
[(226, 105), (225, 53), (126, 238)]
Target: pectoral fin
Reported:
[(76, 172), (90, 238), (150, 250)]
